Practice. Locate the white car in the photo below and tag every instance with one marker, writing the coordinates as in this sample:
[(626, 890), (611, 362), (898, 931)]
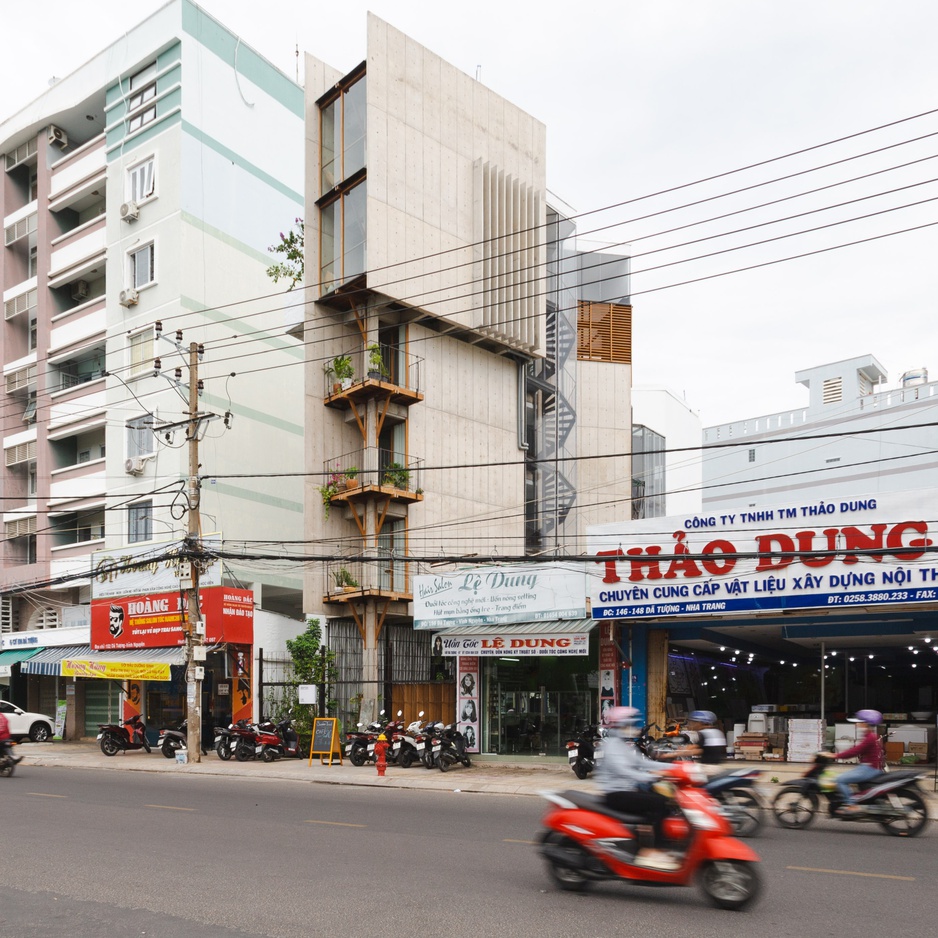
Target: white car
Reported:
[(37, 726)]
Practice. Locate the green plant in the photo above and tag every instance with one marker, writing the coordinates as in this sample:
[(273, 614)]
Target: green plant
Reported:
[(396, 475), (351, 472), (343, 578), (329, 491), (342, 367), (376, 360), (313, 663), (291, 246)]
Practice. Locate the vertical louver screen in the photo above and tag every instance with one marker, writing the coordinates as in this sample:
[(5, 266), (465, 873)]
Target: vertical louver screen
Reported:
[(604, 333)]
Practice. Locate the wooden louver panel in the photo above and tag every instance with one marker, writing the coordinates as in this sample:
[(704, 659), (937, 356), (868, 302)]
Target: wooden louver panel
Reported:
[(604, 332)]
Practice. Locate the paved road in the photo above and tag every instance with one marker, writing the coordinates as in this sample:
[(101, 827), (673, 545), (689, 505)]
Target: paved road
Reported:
[(109, 852)]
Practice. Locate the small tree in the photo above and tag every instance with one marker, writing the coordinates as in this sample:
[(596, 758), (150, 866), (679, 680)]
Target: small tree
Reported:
[(312, 664), (290, 247)]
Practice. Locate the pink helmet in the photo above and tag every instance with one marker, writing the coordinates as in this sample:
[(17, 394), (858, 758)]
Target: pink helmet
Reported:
[(621, 716)]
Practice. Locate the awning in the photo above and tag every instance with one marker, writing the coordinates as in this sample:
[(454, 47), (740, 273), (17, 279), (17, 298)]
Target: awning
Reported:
[(144, 664), (552, 637), (14, 655)]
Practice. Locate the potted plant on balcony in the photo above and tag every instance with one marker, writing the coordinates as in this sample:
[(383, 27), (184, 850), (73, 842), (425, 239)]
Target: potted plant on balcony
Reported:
[(343, 370), (329, 491), (351, 477), (376, 367), (396, 475), (344, 580)]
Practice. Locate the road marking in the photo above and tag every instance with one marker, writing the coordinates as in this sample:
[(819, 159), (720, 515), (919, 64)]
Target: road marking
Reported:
[(508, 840), (42, 794), (811, 869), (167, 807), (334, 823)]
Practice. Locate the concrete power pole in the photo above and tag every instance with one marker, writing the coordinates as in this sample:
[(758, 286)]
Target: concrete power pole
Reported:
[(195, 627)]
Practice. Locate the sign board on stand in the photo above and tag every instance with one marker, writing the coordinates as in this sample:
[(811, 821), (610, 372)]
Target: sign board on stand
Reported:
[(325, 740)]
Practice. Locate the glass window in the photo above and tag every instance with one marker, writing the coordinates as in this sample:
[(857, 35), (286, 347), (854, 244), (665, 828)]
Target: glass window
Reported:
[(353, 128), (140, 438), (140, 181), (33, 486), (329, 144), (342, 238), (142, 266), (140, 522), (141, 353), (141, 118)]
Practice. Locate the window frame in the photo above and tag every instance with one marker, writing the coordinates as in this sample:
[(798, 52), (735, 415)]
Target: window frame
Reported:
[(150, 246), (140, 366), (140, 516), (133, 172), (140, 438), (142, 87)]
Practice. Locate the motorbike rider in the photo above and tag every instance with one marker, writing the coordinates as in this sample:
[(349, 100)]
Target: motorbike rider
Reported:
[(870, 753), (632, 784), (710, 746), (6, 747)]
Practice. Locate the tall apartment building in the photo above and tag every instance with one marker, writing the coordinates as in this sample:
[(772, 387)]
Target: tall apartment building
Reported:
[(472, 354), (854, 437), (138, 198)]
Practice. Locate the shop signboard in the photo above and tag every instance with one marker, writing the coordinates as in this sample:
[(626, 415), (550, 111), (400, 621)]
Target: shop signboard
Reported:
[(834, 554), (149, 568), (498, 643), (500, 594), (156, 620), (116, 670)]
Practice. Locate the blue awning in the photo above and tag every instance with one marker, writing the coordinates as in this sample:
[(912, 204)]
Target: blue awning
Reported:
[(49, 660)]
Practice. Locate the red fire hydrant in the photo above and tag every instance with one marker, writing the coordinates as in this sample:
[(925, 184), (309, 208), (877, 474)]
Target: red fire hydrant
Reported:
[(381, 754)]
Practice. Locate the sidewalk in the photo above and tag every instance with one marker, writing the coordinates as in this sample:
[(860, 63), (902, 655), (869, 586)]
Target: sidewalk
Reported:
[(485, 775)]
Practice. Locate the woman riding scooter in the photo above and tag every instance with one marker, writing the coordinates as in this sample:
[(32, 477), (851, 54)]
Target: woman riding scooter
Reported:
[(629, 780), (870, 753)]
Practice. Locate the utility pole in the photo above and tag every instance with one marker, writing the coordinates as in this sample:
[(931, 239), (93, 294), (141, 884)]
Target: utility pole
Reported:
[(195, 627)]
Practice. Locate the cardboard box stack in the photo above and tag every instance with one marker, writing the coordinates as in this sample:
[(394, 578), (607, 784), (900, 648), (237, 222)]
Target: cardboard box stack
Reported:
[(805, 739), (750, 745)]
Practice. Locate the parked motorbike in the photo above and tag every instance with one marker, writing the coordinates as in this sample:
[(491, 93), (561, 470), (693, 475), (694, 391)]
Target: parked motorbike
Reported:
[(245, 740), (585, 841), (433, 737), (175, 739), (290, 740), (452, 749), (890, 799), (226, 738), (117, 737), (408, 746), (584, 750)]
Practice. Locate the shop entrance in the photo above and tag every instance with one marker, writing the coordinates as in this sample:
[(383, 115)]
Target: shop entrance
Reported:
[(532, 706)]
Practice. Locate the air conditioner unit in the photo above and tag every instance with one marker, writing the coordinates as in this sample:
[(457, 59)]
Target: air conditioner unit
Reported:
[(128, 297), (133, 465), (57, 136), (130, 211), (80, 290)]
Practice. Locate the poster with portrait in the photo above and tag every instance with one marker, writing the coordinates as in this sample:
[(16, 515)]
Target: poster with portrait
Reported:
[(608, 670), (467, 701)]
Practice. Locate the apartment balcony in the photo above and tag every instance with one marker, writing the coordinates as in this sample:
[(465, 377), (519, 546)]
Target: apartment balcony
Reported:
[(79, 178), (383, 578), (79, 254), (396, 382), (79, 483), (394, 479)]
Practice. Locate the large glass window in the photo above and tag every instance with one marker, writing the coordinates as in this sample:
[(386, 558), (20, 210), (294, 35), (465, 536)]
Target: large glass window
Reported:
[(141, 353), (342, 135), (140, 440), (342, 238)]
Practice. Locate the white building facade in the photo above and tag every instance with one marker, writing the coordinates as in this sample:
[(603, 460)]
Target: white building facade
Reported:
[(139, 196)]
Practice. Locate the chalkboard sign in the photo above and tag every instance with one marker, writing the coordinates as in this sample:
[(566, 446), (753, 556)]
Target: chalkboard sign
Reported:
[(325, 740)]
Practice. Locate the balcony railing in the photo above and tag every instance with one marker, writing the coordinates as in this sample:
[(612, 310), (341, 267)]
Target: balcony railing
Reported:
[(400, 373), (384, 576), (393, 472)]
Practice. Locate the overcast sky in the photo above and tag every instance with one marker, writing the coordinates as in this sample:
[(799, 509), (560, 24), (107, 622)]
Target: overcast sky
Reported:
[(646, 96)]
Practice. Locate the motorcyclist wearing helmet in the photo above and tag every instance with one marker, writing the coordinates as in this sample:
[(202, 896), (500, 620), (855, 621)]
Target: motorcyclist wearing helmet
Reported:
[(627, 779), (710, 746), (870, 753)]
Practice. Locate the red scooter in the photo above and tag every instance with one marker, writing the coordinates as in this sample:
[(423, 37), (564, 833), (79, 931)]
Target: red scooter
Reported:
[(585, 841), (118, 737)]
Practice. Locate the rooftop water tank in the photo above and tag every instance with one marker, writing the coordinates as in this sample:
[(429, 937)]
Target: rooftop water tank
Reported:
[(913, 377)]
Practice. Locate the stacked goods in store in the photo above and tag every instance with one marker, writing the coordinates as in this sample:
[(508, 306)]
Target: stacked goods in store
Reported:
[(805, 739), (750, 745)]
